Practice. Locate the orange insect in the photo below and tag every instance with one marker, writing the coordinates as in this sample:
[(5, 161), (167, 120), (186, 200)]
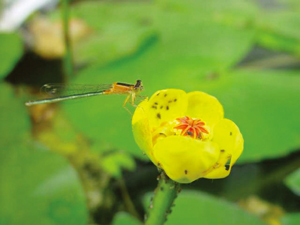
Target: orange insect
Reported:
[(75, 91)]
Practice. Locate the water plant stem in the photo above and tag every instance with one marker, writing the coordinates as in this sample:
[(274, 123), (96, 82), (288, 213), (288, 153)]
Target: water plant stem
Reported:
[(68, 58), (163, 200)]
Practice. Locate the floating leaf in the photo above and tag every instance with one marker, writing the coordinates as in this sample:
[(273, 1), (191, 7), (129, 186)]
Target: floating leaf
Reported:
[(37, 186), (291, 219), (122, 218), (13, 116), (261, 103), (200, 208), (279, 30), (117, 30), (11, 49)]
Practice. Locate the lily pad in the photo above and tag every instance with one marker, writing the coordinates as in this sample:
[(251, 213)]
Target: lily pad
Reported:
[(125, 219), (200, 208), (260, 103), (11, 49), (117, 29), (206, 32), (37, 186), (279, 30), (199, 29), (14, 119), (291, 219)]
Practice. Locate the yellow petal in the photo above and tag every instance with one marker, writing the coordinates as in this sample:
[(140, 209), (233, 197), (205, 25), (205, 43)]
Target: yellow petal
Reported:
[(205, 107), (230, 140), (166, 105), (140, 111), (185, 159), (218, 173), (141, 130), (219, 170)]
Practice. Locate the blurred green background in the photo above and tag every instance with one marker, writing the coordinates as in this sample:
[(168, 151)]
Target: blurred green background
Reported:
[(77, 163)]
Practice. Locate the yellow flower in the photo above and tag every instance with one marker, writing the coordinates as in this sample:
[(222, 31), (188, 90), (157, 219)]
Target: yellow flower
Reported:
[(187, 135)]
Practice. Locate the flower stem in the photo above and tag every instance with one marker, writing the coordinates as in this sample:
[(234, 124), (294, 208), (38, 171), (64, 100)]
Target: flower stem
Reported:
[(68, 58), (164, 196)]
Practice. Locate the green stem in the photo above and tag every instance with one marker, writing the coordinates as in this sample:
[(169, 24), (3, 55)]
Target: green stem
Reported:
[(127, 200), (68, 58), (163, 199)]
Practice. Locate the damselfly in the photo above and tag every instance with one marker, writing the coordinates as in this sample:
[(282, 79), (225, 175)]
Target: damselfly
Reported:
[(66, 92)]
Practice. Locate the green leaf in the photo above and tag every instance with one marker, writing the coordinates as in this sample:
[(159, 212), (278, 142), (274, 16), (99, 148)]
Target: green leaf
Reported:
[(293, 182), (37, 186), (122, 218), (205, 31), (11, 49), (113, 163), (264, 105), (280, 30), (211, 45), (293, 4), (14, 119), (98, 49), (118, 30), (275, 41), (286, 23), (200, 208), (291, 219)]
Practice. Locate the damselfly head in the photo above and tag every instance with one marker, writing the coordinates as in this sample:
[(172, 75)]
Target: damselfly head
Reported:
[(138, 85)]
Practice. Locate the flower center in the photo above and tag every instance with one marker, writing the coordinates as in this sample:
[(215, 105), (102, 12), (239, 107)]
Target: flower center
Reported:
[(191, 127)]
